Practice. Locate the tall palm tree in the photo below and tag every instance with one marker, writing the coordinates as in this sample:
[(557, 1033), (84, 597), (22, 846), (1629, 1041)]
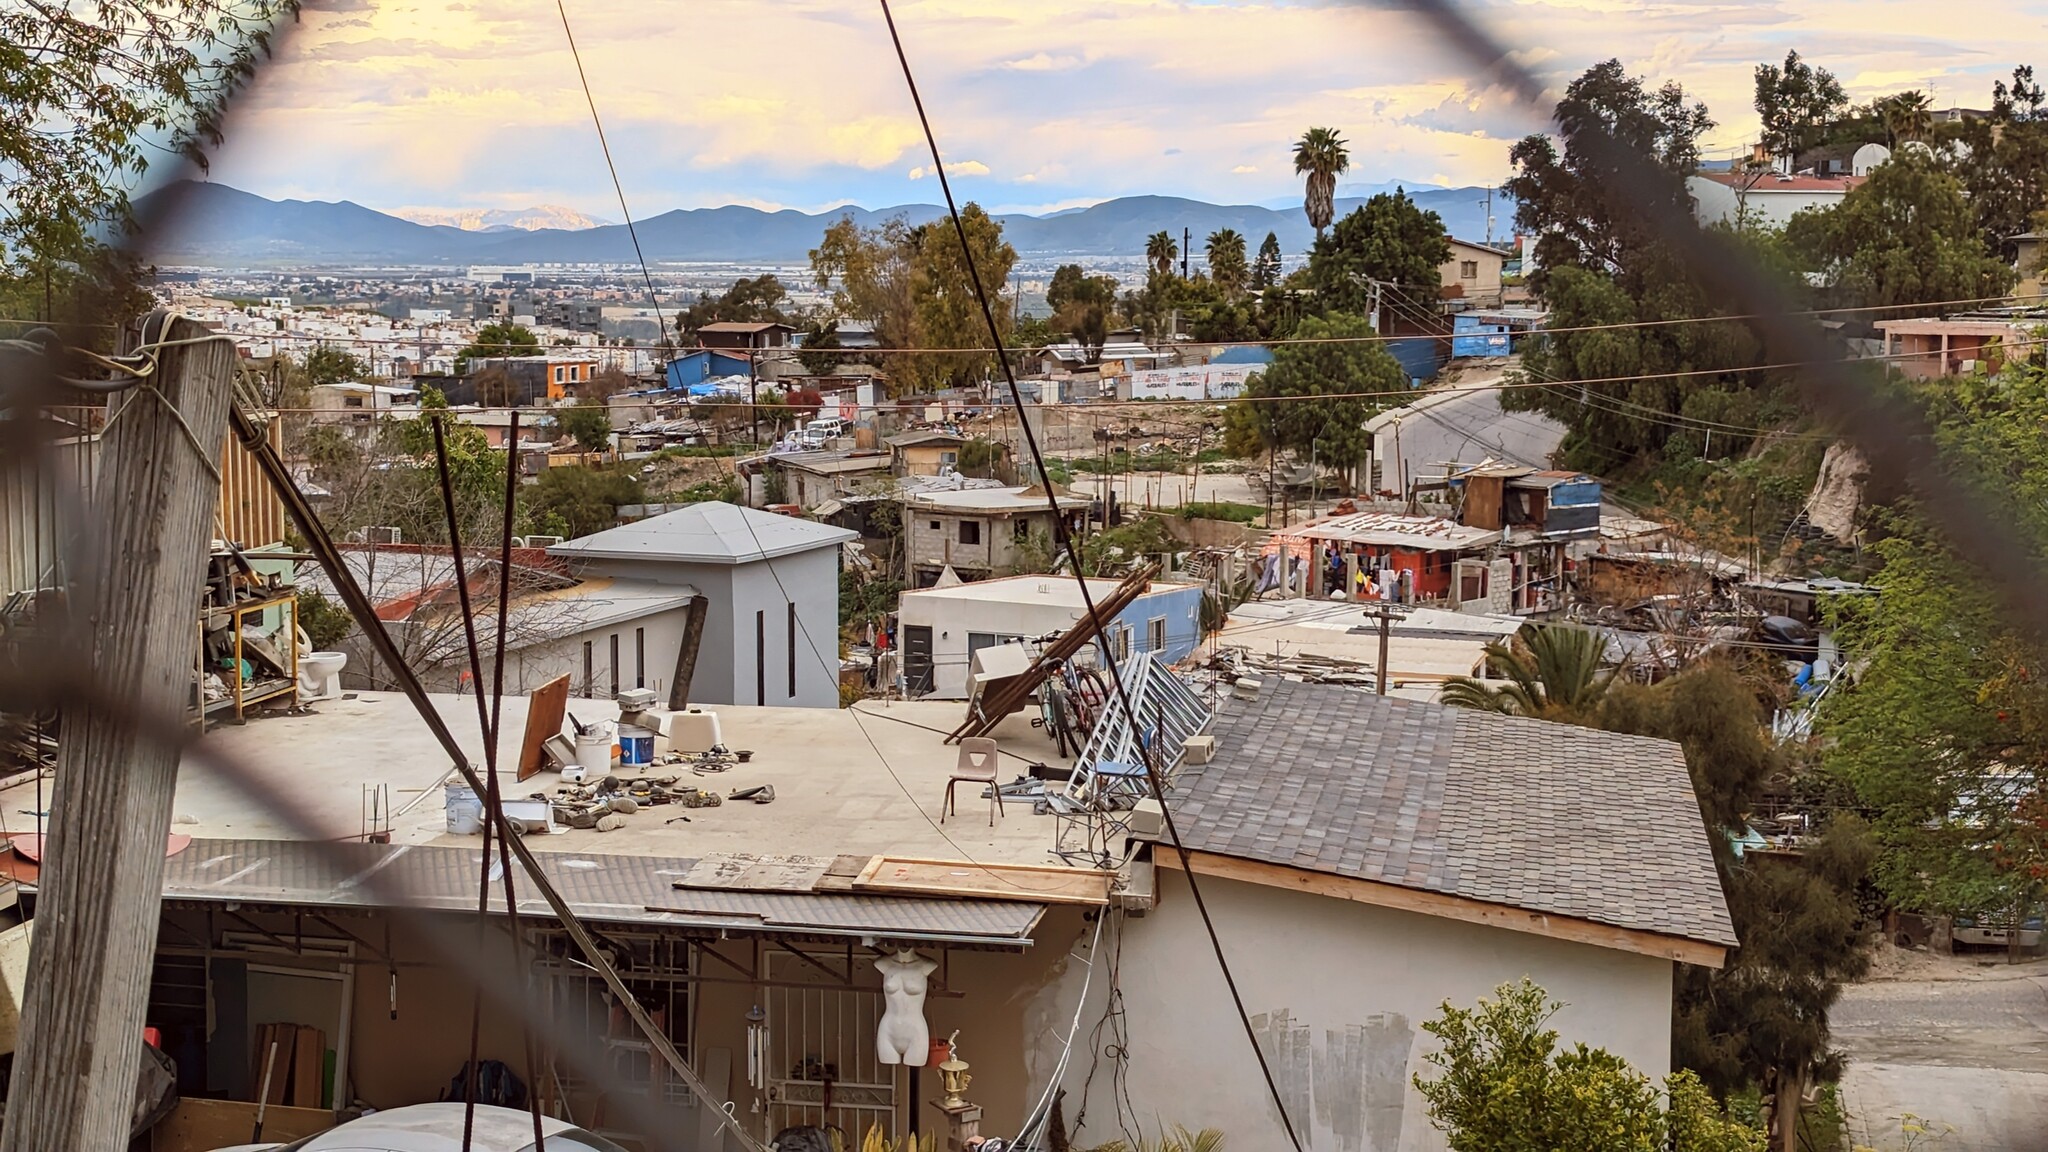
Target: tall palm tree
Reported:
[(1906, 115), (1550, 671), (1321, 156), (1162, 250), (1227, 266)]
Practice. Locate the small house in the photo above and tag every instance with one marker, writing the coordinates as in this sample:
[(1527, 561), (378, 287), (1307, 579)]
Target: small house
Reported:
[(941, 629), (980, 532)]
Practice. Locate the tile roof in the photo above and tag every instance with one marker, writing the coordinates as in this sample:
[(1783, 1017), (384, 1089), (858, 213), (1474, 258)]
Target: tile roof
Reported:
[(1547, 817)]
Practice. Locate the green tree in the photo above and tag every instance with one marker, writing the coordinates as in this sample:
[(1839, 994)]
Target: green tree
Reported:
[(1388, 240), (912, 285), (1083, 306), (327, 364), (870, 271), (573, 501), (1161, 250), (1796, 103), (1906, 116), (1227, 265), (589, 423), (498, 338), (1502, 1084), (1266, 268), (760, 300), (1907, 235), (2003, 161), (1550, 671), (1321, 157), (1309, 400)]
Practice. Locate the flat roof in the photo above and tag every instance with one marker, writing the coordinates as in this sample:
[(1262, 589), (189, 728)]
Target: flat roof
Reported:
[(833, 463), (1771, 182), (1051, 591), (1933, 326), (1020, 499), (1392, 530), (712, 532)]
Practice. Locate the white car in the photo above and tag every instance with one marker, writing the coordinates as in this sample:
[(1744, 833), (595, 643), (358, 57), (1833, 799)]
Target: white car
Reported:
[(438, 1128)]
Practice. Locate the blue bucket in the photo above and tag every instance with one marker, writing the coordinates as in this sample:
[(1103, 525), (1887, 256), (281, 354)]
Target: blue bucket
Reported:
[(636, 747)]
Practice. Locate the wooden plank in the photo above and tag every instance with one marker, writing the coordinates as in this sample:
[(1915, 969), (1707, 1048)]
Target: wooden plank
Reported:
[(756, 872), (1462, 908), (203, 1125), (844, 873), (965, 879), (545, 708), (309, 1066)]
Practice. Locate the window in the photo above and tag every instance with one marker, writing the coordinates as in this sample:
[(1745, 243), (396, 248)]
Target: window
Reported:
[(615, 663), (589, 671), (976, 641), (792, 649), (936, 526), (1123, 642), (1155, 634), (1022, 529), (558, 375), (639, 657), (351, 401), (761, 658), (1468, 270), (970, 531), (949, 459), (1471, 583)]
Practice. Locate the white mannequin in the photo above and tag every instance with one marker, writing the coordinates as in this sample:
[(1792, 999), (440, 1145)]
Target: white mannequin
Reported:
[(903, 1037)]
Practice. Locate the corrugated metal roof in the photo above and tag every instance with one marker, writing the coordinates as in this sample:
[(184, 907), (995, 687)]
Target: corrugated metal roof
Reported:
[(617, 889)]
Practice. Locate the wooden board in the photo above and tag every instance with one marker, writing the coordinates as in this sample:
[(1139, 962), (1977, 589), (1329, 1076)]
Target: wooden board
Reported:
[(756, 872), (843, 874), (546, 706), (961, 878), (203, 1125), (309, 1067)]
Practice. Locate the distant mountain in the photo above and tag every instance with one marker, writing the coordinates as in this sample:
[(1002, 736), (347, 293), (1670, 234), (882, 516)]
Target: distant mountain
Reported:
[(533, 219), (222, 226)]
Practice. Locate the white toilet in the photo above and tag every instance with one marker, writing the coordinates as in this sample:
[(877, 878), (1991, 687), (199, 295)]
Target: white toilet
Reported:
[(320, 675)]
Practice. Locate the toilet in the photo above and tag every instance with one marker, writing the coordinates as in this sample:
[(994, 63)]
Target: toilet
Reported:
[(320, 675)]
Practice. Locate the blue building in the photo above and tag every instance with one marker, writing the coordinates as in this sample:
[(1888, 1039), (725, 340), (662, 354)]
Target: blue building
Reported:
[(1493, 332), (699, 365)]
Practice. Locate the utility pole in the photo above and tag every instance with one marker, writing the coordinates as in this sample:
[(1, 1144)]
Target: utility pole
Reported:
[(1385, 616), (102, 880), (1187, 241)]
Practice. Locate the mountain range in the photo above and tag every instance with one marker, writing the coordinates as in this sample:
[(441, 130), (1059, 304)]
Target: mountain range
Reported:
[(216, 225), (534, 219)]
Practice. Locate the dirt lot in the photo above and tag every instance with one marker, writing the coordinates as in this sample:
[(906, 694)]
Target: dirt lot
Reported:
[(1946, 1053)]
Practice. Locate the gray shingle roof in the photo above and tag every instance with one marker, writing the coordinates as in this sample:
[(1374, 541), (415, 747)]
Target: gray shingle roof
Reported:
[(712, 532), (1548, 817)]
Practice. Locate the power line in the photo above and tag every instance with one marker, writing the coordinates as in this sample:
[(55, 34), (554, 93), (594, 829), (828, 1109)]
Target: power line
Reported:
[(1063, 536)]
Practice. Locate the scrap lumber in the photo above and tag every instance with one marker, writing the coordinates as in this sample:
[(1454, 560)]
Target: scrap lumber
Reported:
[(989, 709), (963, 879)]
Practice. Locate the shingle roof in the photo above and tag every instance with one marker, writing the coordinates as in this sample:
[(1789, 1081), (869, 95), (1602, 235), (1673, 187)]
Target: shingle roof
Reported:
[(1548, 817), (713, 532)]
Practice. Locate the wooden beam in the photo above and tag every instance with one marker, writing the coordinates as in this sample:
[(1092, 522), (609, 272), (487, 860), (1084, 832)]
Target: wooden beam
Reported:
[(686, 656), (1463, 908)]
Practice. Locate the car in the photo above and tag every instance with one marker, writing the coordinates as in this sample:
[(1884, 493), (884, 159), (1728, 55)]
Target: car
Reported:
[(438, 1128), (1967, 930)]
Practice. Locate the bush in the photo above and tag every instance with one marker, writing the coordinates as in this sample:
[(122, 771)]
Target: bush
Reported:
[(325, 623), (1221, 510)]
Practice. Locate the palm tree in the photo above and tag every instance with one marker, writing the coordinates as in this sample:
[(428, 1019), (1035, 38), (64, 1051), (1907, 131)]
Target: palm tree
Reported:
[(1227, 266), (1321, 156), (1906, 116), (1550, 671), (1162, 250)]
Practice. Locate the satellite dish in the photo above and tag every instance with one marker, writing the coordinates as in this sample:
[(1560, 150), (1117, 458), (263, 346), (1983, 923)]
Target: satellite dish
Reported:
[(1869, 156)]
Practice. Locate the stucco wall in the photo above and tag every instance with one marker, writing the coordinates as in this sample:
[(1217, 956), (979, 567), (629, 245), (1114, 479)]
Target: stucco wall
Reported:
[(1339, 993), (952, 619)]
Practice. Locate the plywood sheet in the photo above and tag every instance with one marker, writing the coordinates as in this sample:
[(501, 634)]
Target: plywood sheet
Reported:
[(963, 878), (203, 1125), (545, 708), (756, 872)]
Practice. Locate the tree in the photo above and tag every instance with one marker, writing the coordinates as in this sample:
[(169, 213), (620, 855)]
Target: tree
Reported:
[(1083, 306), (587, 422), (572, 501), (870, 272), (326, 364), (2003, 161), (820, 340), (1266, 268), (1161, 250), (1552, 672), (1309, 399), (1390, 241), (1796, 103), (1503, 1085), (912, 285), (604, 384), (1320, 155), (1906, 116), (496, 339), (1905, 236), (1227, 265), (759, 300)]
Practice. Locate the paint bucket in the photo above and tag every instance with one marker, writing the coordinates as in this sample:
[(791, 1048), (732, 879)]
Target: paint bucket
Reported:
[(465, 811), (594, 748), (636, 746)]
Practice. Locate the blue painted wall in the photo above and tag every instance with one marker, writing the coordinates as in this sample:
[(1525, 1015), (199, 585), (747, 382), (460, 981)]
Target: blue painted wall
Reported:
[(1469, 337), (1182, 608), (1420, 356)]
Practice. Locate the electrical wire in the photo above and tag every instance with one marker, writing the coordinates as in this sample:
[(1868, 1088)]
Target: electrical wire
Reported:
[(1063, 537)]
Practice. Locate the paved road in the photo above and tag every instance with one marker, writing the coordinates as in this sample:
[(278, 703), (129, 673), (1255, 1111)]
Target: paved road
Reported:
[(1958, 1051)]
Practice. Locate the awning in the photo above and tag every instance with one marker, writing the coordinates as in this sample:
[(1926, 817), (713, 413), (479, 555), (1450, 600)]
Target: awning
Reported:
[(635, 890)]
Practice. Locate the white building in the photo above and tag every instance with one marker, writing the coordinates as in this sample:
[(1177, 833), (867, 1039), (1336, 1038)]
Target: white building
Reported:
[(1772, 198), (1201, 382), (940, 629)]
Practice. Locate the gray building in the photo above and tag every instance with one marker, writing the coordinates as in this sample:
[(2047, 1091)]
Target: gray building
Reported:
[(771, 635)]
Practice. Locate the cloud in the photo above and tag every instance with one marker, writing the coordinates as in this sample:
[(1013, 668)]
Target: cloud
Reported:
[(957, 168), (1245, 169), (1043, 62)]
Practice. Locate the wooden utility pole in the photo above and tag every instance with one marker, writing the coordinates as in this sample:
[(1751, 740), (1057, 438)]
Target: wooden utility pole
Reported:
[(1385, 616), (96, 917)]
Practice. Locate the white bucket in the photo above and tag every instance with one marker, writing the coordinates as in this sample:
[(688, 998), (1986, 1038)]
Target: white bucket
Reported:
[(465, 811), (594, 748)]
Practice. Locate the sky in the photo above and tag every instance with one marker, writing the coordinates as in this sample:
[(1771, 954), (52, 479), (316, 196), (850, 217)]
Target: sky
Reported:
[(1038, 105)]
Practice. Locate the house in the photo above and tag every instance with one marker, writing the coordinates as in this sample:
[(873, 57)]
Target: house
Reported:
[(1473, 273), (1540, 514), (1365, 860), (357, 408), (1391, 556), (745, 334), (927, 453), (979, 532), (2029, 250), (940, 629), (772, 585), (811, 478), (699, 366), (1768, 197), (1950, 346)]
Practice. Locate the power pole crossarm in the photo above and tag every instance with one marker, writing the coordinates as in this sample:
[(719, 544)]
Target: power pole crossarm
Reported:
[(96, 917)]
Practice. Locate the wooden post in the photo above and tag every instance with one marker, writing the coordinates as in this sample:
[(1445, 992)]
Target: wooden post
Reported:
[(147, 539), (686, 656)]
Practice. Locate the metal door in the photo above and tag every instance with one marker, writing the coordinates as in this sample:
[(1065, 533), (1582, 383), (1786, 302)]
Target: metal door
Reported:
[(917, 659), (822, 1065)]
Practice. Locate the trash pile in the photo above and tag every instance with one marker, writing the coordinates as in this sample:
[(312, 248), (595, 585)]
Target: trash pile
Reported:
[(604, 804)]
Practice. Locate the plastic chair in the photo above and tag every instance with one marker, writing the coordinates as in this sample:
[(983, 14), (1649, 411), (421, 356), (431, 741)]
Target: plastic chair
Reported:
[(977, 765)]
